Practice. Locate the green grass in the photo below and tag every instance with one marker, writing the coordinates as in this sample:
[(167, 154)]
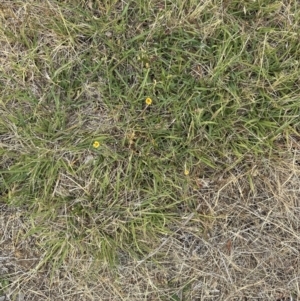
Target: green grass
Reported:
[(224, 80)]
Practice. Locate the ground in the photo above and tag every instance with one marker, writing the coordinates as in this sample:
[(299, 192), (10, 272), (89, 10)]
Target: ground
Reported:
[(149, 150)]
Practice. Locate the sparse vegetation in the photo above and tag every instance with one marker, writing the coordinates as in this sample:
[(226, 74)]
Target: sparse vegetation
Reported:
[(149, 150)]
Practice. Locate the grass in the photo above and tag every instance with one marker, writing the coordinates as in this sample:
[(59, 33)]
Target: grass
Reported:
[(223, 77)]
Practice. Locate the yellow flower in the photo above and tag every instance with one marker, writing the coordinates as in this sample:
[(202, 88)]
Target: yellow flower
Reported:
[(186, 172), (148, 101), (96, 144), (147, 65)]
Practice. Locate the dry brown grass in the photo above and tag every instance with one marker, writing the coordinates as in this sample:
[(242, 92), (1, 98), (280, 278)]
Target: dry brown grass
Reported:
[(250, 250)]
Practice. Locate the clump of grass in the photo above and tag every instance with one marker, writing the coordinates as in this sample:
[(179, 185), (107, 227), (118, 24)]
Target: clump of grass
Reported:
[(111, 114)]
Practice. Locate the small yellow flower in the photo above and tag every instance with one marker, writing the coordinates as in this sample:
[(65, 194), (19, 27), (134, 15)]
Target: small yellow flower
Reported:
[(147, 65), (96, 144), (186, 172), (148, 101)]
